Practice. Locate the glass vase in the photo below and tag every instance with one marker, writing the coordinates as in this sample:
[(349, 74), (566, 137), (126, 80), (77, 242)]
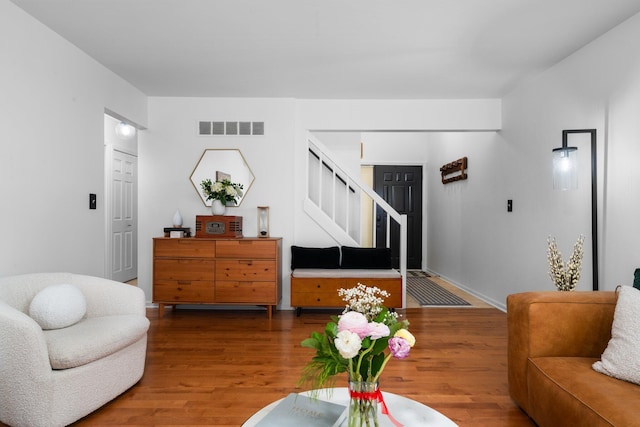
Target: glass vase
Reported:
[(363, 404)]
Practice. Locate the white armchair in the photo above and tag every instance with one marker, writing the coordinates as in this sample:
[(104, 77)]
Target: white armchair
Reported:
[(55, 377)]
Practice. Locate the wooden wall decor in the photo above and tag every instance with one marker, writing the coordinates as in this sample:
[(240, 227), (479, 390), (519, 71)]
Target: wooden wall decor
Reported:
[(458, 166)]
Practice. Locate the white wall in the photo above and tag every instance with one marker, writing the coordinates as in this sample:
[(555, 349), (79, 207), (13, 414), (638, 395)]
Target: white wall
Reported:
[(477, 244), (171, 147), (394, 148), (54, 97), (52, 114), (380, 115)]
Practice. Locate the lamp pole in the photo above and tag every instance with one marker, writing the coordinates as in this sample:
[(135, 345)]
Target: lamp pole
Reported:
[(594, 197)]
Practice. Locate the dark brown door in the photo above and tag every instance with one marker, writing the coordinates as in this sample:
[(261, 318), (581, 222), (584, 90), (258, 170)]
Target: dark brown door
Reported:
[(401, 187)]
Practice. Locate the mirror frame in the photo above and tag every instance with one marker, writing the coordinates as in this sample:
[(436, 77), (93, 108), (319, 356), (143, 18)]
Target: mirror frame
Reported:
[(210, 165)]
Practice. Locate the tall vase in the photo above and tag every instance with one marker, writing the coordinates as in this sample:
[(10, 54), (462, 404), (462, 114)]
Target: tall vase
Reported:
[(363, 404), (177, 219), (217, 208)]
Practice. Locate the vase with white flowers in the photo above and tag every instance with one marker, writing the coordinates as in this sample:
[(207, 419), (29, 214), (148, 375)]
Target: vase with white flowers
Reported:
[(565, 276), (360, 342), (221, 193)]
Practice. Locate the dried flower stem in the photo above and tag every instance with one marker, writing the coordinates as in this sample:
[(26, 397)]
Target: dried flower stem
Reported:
[(565, 277)]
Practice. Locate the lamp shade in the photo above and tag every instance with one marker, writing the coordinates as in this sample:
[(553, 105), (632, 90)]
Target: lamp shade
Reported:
[(565, 168)]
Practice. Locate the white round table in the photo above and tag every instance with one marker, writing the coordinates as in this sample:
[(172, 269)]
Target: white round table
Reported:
[(406, 411)]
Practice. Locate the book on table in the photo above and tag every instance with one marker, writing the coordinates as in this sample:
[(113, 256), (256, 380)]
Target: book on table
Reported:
[(297, 410)]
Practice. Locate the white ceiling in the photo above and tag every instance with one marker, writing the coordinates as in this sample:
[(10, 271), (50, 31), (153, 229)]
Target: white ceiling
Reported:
[(356, 49)]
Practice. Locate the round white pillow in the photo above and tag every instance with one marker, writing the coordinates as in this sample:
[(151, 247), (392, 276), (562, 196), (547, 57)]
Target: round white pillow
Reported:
[(58, 306)]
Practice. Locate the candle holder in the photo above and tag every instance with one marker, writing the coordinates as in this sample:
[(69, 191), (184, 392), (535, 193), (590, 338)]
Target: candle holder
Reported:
[(263, 221)]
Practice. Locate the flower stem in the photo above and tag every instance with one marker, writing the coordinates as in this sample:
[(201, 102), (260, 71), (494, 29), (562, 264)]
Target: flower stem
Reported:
[(384, 363)]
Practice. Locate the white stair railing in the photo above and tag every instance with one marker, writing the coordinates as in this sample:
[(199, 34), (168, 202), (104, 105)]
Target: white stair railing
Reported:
[(335, 199)]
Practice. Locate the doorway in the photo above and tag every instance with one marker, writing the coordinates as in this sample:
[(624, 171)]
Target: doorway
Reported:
[(123, 213), (121, 203), (401, 187)]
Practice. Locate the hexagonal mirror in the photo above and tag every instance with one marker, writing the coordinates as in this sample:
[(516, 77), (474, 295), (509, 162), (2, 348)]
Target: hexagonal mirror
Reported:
[(218, 164)]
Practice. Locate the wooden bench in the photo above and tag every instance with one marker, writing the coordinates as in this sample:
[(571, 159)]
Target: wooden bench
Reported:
[(318, 273), (318, 287)]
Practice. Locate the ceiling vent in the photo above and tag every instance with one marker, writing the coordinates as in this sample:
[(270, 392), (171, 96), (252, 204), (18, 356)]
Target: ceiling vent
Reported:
[(230, 128)]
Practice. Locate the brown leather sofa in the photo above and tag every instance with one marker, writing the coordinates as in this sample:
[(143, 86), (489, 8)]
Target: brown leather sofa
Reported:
[(554, 338)]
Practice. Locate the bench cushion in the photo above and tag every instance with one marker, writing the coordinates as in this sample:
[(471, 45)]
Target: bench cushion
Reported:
[(93, 338), (346, 273)]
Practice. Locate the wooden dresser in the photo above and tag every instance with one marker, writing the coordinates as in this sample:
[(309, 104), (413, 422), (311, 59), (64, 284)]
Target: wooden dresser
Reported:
[(243, 271)]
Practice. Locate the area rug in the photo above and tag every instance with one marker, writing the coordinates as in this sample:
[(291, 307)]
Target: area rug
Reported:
[(429, 293)]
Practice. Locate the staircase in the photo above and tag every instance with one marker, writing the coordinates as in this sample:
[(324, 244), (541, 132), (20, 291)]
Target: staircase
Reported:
[(335, 201)]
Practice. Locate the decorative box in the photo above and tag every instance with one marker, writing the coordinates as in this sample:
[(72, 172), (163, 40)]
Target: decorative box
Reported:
[(219, 226)]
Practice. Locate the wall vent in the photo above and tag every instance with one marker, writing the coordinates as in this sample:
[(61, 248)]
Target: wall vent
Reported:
[(245, 128), (218, 128), (208, 128), (232, 128), (204, 128), (258, 128)]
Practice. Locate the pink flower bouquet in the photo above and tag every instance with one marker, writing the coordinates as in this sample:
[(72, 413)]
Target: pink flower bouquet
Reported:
[(360, 341)]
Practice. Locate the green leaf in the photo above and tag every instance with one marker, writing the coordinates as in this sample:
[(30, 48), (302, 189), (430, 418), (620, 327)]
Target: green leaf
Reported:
[(366, 342), (380, 345), (376, 363), (331, 329), (311, 343)]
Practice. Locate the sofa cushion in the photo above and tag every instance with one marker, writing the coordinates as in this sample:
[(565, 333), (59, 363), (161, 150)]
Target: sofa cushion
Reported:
[(93, 338), (367, 258), (567, 389), (58, 306), (620, 358), (302, 257)]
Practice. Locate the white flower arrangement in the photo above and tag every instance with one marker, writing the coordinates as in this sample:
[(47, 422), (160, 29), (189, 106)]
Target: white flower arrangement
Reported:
[(225, 190), (565, 277), (367, 300)]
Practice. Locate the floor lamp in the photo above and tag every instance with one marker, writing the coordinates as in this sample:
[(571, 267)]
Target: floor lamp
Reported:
[(565, 178)]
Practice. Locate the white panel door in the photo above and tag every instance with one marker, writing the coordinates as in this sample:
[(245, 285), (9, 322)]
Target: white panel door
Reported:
[(124, 234)]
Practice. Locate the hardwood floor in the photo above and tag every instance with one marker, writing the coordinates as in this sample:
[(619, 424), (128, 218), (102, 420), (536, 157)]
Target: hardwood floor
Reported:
[(218, 367)]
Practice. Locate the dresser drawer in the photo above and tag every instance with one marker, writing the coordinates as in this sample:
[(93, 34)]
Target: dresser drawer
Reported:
[(184, 248), (230, 291), (246, 270), (183, 291), (324, 299), (248, 249), (183, 269)]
